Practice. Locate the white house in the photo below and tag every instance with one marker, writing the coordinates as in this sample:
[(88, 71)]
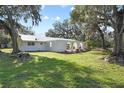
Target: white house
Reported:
[(35, 43)]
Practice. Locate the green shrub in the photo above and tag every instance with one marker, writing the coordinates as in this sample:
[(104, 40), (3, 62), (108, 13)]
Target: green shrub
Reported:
[(90, 44)]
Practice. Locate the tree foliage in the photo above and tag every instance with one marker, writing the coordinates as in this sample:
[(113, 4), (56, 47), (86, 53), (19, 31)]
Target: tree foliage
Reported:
[(66, 29), (11, 15), (110, 15), (95, 24)]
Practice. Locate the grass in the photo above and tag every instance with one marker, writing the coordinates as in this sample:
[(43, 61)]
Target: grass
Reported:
[(47, 69)]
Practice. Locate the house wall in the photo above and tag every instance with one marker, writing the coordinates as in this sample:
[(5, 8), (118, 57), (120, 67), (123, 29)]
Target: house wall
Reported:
[(23, 46), (58, 46), (55, 46)]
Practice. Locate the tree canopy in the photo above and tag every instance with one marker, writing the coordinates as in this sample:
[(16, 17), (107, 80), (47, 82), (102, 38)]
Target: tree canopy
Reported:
[(66, 29), (105, 15), (11, 15)]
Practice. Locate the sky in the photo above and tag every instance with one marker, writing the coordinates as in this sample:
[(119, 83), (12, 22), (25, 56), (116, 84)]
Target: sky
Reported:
[(50, 14)]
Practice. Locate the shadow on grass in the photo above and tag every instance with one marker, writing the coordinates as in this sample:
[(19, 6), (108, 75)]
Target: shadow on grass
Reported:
[(45, 72)]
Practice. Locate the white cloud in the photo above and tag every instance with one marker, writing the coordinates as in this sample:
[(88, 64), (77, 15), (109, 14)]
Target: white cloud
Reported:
[(42, 7), (57, 18), (63, 6), (72, 8), (45, 17)]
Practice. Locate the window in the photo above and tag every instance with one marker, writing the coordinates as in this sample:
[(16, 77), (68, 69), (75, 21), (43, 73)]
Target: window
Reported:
[(41, 43), (68, 46), (31, 43)]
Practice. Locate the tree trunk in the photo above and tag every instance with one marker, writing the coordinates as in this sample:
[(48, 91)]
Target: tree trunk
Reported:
[(13, 32), (102, 38), (118, 34), (118, 44), (14, 36)]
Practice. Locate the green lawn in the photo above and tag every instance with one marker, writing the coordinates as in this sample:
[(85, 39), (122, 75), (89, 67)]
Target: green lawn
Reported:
[(47, 69)]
